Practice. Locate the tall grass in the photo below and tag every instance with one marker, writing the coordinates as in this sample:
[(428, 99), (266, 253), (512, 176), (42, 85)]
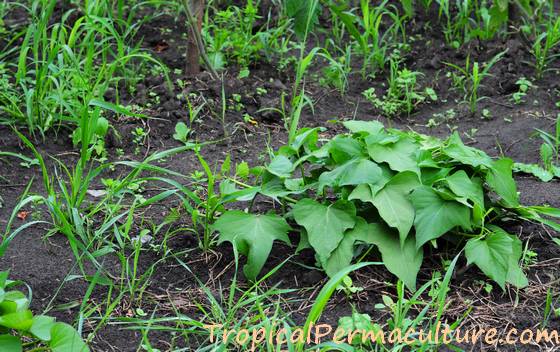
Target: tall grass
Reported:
[(64, 68)]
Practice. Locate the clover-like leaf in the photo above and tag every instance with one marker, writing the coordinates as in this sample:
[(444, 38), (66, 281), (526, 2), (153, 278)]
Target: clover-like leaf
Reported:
[(252, 235), (181, 132)]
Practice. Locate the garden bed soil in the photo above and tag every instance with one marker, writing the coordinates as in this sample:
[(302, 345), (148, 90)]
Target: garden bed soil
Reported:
[(44, 263)]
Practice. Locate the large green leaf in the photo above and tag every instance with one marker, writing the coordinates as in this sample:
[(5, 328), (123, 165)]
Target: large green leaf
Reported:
[(403, 261), (281, 166), (342, 256), (393, 203), (305, 14), (19, 320), (500, 179), (13, 302), (497, 255), (42, 326), (366, 192), (401, 156), (252, 235), (435, 216), (471, 189), (371, 127), (354, 172), (325, 224), (535, 170), (343, 149), (460, 184), (64, 338), (9, 343), (464, 154)]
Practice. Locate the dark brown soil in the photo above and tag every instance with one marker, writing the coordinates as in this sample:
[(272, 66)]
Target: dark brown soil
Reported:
[(44, 263)]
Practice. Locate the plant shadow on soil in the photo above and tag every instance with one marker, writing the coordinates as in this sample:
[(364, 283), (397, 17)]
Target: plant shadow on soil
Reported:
[(44, 263)]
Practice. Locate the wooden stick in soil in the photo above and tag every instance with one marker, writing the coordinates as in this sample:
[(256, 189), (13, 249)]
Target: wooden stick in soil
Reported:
[(195, 46)]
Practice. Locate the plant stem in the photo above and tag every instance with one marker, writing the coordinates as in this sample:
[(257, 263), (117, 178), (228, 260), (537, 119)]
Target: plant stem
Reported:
[(196, 44)]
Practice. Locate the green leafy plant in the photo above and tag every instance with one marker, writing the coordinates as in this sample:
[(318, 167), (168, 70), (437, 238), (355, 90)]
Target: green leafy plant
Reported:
[(206, 211), (464, 21), (458, 21), (304, 14), (19, 328), (407, 313), (543, 45), (403, 93), (182, 132), (524, 86), (336, 73), (373, 44), (234, 36), (56, 81), (399, 192), (550, 156), (471, 78)]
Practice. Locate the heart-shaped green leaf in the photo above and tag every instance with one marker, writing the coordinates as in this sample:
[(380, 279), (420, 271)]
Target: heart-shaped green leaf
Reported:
[(20, 320), (393, 203), (354, 172), (9, 343), (42, 326), (497, 255), (281, 166), (404, 260), (435, 216), (252, 235), (64, 338), (325, 224), (342, 256), (401, 156)]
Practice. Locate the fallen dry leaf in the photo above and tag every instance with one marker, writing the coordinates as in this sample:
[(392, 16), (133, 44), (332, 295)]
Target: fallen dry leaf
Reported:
[(22, 215), (161, 46)]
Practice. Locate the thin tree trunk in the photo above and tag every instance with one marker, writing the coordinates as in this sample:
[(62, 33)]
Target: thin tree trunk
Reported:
[(193, 53), (195, 48)]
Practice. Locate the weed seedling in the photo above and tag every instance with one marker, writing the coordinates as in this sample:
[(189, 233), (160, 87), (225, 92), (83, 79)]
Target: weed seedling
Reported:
[(543, 45), (549, 154), (524, 85), (138, 138), (403, 94), (471, 78)]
